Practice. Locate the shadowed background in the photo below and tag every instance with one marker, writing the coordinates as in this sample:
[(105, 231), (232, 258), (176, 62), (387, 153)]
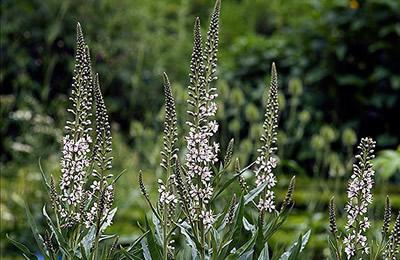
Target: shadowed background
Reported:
[(338, 64)]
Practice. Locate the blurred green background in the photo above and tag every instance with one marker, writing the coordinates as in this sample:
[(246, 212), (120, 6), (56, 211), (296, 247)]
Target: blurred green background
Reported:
[(339, 72)]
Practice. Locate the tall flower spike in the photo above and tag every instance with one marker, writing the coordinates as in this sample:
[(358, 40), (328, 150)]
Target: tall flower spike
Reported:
[(82, 85), (201, 152), (167, 199), (266, 160), (141, 185), (100, 187), (103, 131), (332, 217), (75, 159), (360, 196), (211, 47), (392, 251), (231, 212), (229, 153), (288, 201), (386, 217), (169, 151), (181, 188), (242, 181), (196, 75)]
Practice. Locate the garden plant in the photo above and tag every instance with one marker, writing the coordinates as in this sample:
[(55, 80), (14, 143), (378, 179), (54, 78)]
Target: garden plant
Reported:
[(197, 213)]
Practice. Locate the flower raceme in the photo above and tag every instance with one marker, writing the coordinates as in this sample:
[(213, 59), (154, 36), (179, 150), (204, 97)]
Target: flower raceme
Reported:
[(201, 151), (355, 242), (82, 203), (266, 161), (84, 161), (187, 193), (360, 197)]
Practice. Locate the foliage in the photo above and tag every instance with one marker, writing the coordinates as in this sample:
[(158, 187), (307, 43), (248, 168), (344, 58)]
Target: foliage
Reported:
[(353, 242), (337, 62), (82, 205)]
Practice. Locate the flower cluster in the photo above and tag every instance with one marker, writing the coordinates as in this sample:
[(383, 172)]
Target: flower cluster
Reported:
[(201, 151), (393, 248), (101, 190), (167, 201), (359, 195), (266, 161), (74, 163), (101, 208), (86, 195), (77, 142)]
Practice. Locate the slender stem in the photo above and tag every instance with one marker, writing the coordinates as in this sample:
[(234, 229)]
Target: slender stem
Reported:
[(202, 242), (165, 231)]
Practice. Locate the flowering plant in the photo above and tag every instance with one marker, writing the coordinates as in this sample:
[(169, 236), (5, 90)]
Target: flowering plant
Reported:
[(355, 243), (187, 220), (81, 204), (190, 190)]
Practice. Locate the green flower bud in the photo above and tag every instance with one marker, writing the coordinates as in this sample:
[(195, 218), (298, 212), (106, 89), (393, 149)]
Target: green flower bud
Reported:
[(251, 113), (136, 129), (328, 133), (234, 125), (349, 137), (237, 97), (223, 89), (295, 87), (317, 142), (304, 117), (336, 168), (256, 130)]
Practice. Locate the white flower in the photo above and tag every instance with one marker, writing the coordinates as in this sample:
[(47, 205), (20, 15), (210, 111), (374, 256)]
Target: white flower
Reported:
[(74, 163), (207, 217), (267, 203), (360, 196)]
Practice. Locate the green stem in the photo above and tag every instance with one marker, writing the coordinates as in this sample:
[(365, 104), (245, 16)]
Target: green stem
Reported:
[(165, 232)]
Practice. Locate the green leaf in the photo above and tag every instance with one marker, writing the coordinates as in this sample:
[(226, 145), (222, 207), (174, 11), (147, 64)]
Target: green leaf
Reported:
[(191, 242), (275, 222), (106, 221), (118, 176), (253, 193), (297, 247), (151, 243), (159, 233), (46, 182), (248, 255), (234, 231), (333, 247), (247, 246), (25, 250), (230, 181), (136, 242), (264, 255), (146, 252), (128, 255), (88, 239), (215, 240), (248, 226), (82, 251), (35, 230), (58, 235), (259, 244), (106, 237)]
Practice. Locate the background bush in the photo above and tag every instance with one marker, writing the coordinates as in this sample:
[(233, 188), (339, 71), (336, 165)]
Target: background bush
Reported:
[(339, 80)]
